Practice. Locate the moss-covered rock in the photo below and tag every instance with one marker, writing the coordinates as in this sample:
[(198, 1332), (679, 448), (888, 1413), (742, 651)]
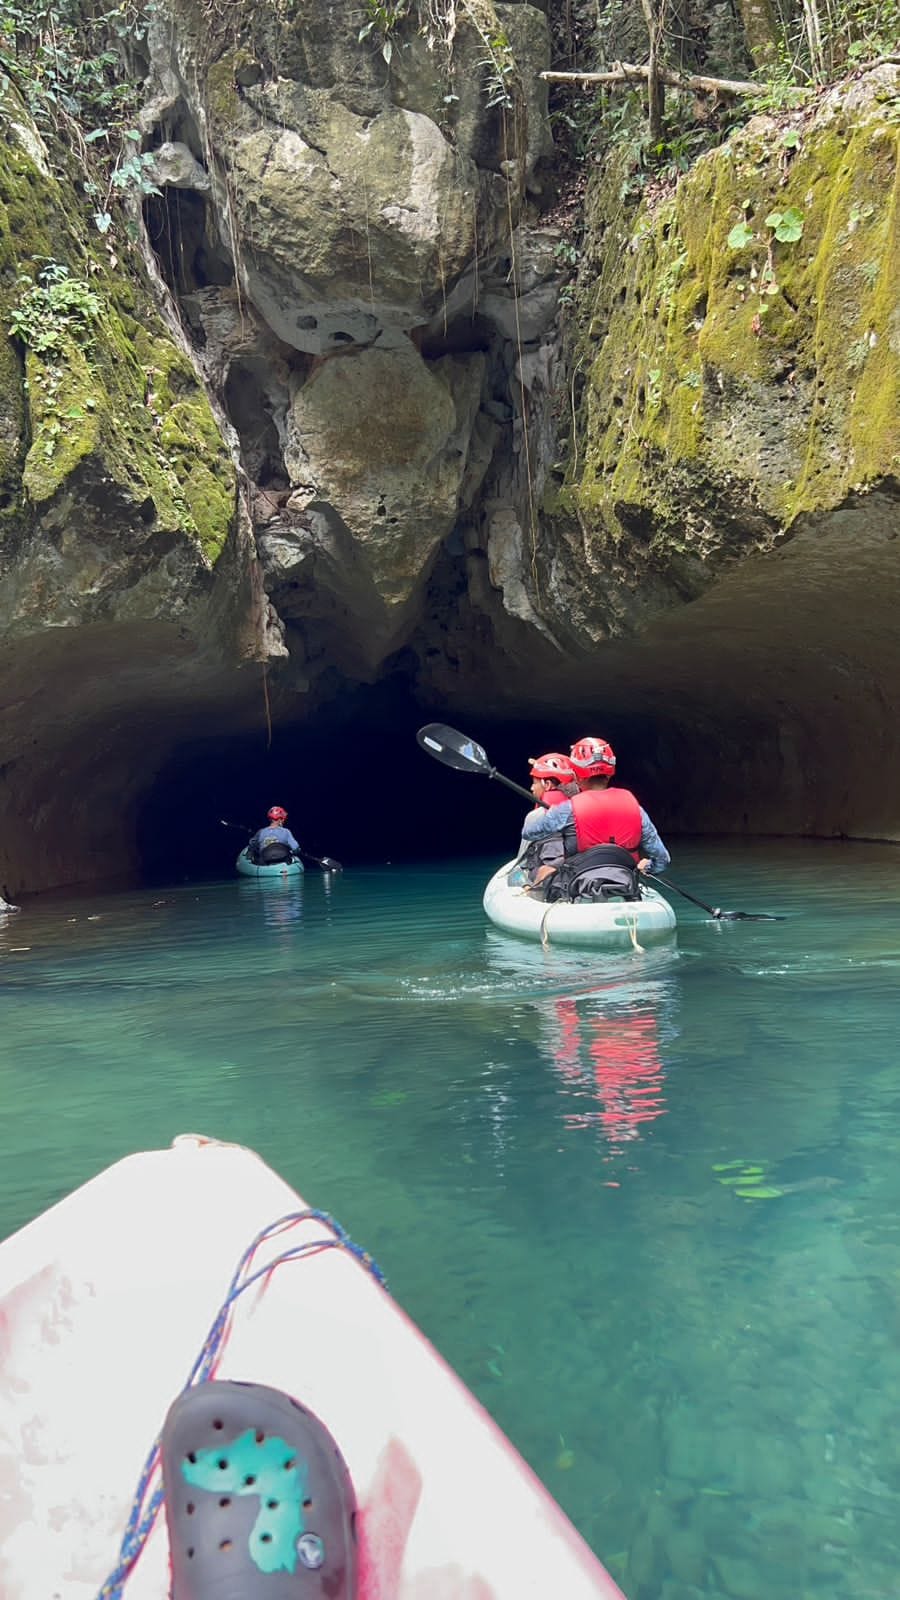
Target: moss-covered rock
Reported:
[(736, 381), (108, 444)]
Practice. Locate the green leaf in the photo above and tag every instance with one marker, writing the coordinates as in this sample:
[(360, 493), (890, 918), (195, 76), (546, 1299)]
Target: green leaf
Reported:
[(787, 226), (103, 221), (791, 226), (740, 236), (790, 139)]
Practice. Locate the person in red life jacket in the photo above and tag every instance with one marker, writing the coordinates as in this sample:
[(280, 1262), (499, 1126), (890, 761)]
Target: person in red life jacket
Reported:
[(552, 782), (600, 815)]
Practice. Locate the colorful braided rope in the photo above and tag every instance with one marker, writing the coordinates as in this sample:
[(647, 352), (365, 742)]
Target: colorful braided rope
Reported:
[(146, 1504)]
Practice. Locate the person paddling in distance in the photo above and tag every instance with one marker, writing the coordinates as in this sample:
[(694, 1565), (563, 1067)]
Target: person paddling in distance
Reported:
[(271, 845), (597, 815)]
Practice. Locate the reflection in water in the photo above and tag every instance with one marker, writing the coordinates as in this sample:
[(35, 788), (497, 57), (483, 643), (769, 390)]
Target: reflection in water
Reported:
[(606, 1050), (603, 1041), (611, 1057), (280, 899)]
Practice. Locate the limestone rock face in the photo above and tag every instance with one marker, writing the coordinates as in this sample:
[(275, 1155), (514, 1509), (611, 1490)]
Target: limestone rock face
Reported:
[(120, 490), (174, 165), (382, 440), (344, 420), (127, 572), (348, 241), (352, 196), (366, 197), (736, 384)]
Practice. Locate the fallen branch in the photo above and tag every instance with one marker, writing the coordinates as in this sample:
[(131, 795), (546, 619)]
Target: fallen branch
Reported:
[(626, 72)]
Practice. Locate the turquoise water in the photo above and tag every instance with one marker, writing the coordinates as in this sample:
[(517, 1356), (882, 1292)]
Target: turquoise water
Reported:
[(536, 1147)]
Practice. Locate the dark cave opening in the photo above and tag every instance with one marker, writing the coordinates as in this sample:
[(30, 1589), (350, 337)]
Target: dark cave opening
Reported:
[(123, 745), (183, 237), (358, 787)]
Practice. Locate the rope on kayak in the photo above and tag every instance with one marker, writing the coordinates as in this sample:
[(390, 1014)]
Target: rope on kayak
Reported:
[(146, 1505), (631, 924)]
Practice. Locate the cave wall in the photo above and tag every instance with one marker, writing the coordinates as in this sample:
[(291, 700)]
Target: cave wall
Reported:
[(128, 573), (331, 430), (737, 382)]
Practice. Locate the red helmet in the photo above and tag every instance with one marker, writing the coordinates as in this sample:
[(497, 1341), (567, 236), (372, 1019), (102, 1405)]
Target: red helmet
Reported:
[(592, 758), (552, 766), (276, 814)]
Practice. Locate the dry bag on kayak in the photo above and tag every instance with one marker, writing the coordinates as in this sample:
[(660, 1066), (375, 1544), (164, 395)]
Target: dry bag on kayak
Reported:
[(271, 854), (605, 872)]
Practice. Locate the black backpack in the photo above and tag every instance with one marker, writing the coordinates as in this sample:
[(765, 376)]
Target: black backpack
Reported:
[(605, 872), (272, 854)]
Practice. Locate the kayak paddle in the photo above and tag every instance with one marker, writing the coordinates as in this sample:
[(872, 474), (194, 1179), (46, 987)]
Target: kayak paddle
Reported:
[(714, 911), (457, 750), (327, 863)]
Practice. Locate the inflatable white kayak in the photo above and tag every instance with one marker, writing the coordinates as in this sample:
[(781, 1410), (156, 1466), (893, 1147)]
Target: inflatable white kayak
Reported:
[(105, 1302), (609, 924)]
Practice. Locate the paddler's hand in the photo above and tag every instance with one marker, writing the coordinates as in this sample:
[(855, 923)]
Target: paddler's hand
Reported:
[(645, 864)]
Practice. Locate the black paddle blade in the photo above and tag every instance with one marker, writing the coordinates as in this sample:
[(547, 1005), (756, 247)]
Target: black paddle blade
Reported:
[(452, 748), (714, 911), (749, 916), (328, 864)]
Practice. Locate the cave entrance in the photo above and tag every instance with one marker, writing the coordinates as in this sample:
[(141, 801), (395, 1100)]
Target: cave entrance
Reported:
[(355, 784)]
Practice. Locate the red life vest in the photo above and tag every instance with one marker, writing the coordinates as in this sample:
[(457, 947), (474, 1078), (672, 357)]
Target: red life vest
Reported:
[(607, 816)]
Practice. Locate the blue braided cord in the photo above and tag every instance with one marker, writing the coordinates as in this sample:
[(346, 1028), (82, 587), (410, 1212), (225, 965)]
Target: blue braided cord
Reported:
[(144, 1513)]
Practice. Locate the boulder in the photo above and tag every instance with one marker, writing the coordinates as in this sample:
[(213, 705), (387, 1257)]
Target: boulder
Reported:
[(382, 437)]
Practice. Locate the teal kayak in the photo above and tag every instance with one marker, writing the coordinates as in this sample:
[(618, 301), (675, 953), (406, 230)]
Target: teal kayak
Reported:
[(280, 869)]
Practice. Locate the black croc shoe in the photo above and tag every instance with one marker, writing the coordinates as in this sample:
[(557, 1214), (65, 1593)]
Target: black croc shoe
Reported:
[(259, 1503)]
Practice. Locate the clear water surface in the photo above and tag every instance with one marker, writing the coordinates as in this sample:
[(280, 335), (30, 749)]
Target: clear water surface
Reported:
[(538, 1148)]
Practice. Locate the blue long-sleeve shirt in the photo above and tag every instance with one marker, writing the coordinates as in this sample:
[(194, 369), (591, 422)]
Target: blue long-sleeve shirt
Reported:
[(542, 822)]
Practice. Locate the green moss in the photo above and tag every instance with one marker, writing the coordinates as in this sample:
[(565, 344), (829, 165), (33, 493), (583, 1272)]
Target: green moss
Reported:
[(29, 230), (120, 405), (853, 280), (191, 440), (222, 100), (66, 409), (12, 421), (703, 380)]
